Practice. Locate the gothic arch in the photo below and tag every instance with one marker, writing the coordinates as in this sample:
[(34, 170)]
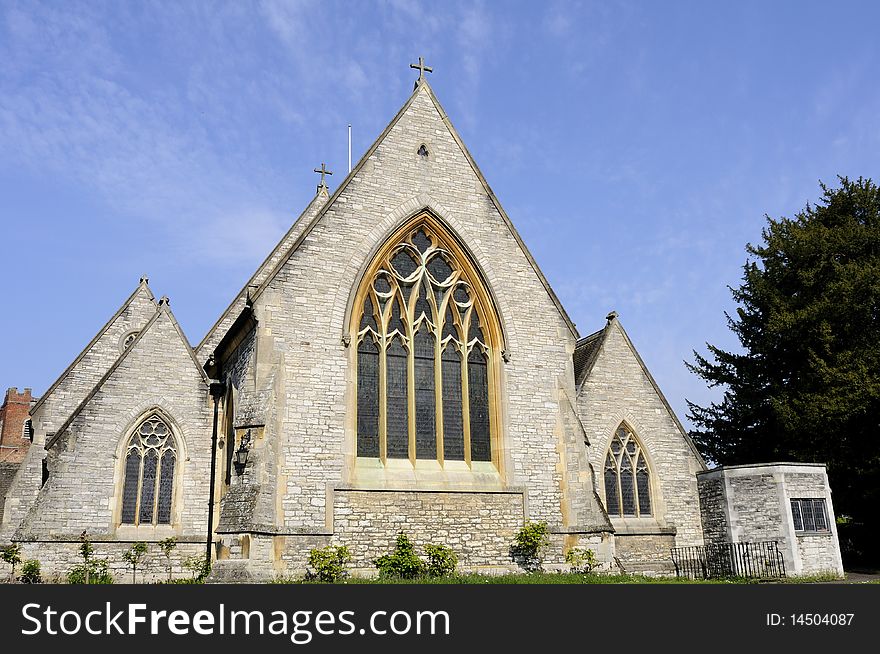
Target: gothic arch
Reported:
[(405, 218), (628, 479), (150, 461), (425, 350)]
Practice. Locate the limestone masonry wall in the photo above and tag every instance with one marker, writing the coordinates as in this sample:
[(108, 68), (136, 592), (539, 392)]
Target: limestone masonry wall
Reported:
[(618, 390)]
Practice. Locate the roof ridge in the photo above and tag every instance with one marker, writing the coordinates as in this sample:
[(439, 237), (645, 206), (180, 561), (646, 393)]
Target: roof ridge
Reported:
[(585, 339), (142, 284), (161, 308), (597, 339)]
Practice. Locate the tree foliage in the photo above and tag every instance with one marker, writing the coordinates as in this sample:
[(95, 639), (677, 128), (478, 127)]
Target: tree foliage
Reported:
[(806, 385)]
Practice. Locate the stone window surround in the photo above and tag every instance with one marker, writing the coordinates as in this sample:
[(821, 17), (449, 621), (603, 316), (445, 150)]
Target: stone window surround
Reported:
[(149, 532), (384, 472)]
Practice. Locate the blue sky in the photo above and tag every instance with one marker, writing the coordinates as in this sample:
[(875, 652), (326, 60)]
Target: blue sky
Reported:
[(635, 145)]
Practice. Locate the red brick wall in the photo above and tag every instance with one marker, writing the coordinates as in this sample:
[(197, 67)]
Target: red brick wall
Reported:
[(13, 414)]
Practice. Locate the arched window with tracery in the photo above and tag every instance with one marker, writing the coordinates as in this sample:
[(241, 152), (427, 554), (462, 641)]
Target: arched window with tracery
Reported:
[(150, 461), (427, 348), (627, 478)]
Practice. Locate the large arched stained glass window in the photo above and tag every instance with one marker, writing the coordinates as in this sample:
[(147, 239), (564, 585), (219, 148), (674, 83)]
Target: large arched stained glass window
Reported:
[(148, 489), (426, 338), (627, 480)]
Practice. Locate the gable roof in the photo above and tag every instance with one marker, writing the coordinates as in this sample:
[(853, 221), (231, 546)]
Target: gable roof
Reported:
[(224, 323), (586, 351), (162, 309), (421, 86), (142, 287), (590, 348)]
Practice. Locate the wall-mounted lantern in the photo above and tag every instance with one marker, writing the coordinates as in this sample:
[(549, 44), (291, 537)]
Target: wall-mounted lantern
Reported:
[(241, 454)]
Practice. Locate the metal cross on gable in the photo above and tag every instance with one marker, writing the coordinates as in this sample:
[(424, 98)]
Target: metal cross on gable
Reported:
[(422, 68), (323, 170)]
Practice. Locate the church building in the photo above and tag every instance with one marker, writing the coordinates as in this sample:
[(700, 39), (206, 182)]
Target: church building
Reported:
[(398, 363)]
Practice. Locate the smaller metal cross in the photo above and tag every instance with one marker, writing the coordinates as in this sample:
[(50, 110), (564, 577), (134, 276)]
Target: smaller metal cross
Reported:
[(422, 68), (323, 170)]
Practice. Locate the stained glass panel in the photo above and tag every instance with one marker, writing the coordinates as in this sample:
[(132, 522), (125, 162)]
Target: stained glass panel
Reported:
[(644, 489), (148, 486), (453, 425), (368, 398), (395, 323), (382, 285), (449, 323), (421, 240), (612, 501), (474, 330), (166, 486), (408, 333), (627, 487), (426, 438), (422, 306), (369, 319), (397, 419), (130, 487), (478, 403), (439, 269), (404, 264)]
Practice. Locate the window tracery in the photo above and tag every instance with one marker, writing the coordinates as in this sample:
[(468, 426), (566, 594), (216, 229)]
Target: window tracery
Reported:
[(148, 486), (424, 355), (627, 478)]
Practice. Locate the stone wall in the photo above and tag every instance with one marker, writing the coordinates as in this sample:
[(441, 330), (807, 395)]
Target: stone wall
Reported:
[(649, 554), (618, 390), (85, 464), (752, 504), (479, 527), (304, 366), (713, 510), (57, 558)]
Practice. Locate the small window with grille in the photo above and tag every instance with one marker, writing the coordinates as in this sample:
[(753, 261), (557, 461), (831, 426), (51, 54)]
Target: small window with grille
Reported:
[(809, 515)]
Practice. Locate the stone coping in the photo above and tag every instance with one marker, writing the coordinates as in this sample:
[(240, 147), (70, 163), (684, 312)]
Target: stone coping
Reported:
[(775, 464)]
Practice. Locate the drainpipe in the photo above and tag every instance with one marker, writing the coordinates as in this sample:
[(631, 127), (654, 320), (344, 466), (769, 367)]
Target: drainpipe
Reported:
[(218, 389)]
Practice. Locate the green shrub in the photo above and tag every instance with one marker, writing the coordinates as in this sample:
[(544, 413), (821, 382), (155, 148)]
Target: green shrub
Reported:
[(197, 565), (92, 572), (167, 546), (327, 564), (403, 562), (30, 572), (441, 561), (133, 557), (582, 560), (11, 554), (530, 544)]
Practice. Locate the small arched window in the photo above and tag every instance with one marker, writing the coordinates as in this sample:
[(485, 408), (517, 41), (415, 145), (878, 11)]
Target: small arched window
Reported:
[(426, 350), (150, 461), (627, 479), (129, 339)]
